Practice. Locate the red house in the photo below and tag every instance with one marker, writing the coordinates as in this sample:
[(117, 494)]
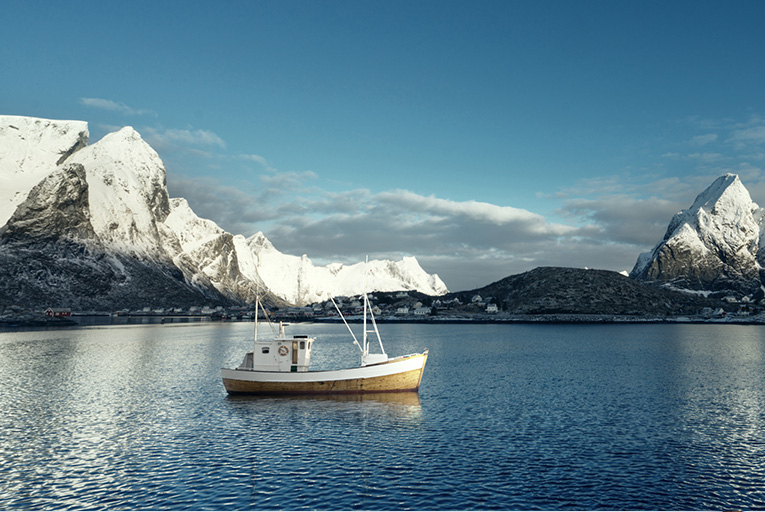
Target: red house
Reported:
[(58, 312)]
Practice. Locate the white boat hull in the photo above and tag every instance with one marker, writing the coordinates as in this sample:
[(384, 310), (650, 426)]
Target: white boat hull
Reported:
[(395, 375)]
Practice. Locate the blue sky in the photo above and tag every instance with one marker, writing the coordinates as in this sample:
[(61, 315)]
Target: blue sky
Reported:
[(484, 138)]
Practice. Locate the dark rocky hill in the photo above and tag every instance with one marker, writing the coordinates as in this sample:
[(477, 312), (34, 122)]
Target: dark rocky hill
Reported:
[(555, 290)]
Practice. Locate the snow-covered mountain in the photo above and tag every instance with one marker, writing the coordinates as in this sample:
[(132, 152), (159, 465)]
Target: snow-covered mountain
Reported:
[(279, 270), (29, 150), (92, 225), (713, 246)]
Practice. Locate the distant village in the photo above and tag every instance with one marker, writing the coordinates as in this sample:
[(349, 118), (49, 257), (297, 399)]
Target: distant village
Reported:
[(405, 307), (385, 306)]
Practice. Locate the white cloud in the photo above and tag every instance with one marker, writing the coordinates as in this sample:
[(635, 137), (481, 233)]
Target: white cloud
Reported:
[(348, 225), (257, 159), (161, 138), (285, 181), (468, 243), (747, 136), (473, 210), (703, 140), (706, 157), (627, 219), (115, 106), (193, 137)]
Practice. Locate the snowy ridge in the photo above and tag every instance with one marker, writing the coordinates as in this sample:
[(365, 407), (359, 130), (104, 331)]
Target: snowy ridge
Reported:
[(318, 283), (128, 213)]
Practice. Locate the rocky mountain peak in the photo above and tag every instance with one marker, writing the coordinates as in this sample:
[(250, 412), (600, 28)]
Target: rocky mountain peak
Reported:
[(712, 246), (128, 193), (726, 193)]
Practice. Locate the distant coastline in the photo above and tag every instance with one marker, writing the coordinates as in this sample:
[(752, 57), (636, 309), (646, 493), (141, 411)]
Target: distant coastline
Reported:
[(27, 320), (561, 319)]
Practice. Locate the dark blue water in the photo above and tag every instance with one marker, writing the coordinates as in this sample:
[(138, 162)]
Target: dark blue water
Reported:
[(508, 417)]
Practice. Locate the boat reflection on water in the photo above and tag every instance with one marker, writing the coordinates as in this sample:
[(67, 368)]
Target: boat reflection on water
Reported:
[(384, 406)]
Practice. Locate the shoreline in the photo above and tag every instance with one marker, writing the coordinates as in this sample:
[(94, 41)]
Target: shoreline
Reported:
[(26, 321), (558, 318)]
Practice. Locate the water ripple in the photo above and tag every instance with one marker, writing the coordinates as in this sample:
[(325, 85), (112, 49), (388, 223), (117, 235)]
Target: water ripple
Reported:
[(509, 417)]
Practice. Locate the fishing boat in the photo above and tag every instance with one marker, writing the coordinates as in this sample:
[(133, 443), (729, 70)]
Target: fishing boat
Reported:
[(280, 366)]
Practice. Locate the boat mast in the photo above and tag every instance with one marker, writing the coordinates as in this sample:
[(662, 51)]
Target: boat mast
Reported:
[(257, 302), (368, 307), (366, 303), (377, 332)]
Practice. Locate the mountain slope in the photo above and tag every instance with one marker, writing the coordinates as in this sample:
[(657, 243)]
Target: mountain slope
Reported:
[(96, 221), (712, 246), (50, 254)]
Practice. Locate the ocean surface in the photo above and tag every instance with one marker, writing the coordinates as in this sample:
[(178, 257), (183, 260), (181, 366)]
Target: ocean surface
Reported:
[(515, 417)]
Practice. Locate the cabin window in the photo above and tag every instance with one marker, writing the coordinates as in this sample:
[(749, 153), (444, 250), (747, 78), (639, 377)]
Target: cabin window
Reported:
[(266, 350), (302, 345), (294, 352)]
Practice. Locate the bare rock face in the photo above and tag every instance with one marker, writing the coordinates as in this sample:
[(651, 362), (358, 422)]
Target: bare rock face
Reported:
[(57, 208), (713, 246)]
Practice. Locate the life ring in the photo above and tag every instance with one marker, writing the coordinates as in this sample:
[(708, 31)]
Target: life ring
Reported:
[(283, 350)]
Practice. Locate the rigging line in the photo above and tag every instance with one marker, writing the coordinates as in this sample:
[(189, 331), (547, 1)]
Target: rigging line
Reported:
[(355, 341), (257, 298), (270, 323), (374, 324), (265, 311)]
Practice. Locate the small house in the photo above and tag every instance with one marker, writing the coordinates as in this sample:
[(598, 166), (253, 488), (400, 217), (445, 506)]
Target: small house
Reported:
[(58, 312)]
